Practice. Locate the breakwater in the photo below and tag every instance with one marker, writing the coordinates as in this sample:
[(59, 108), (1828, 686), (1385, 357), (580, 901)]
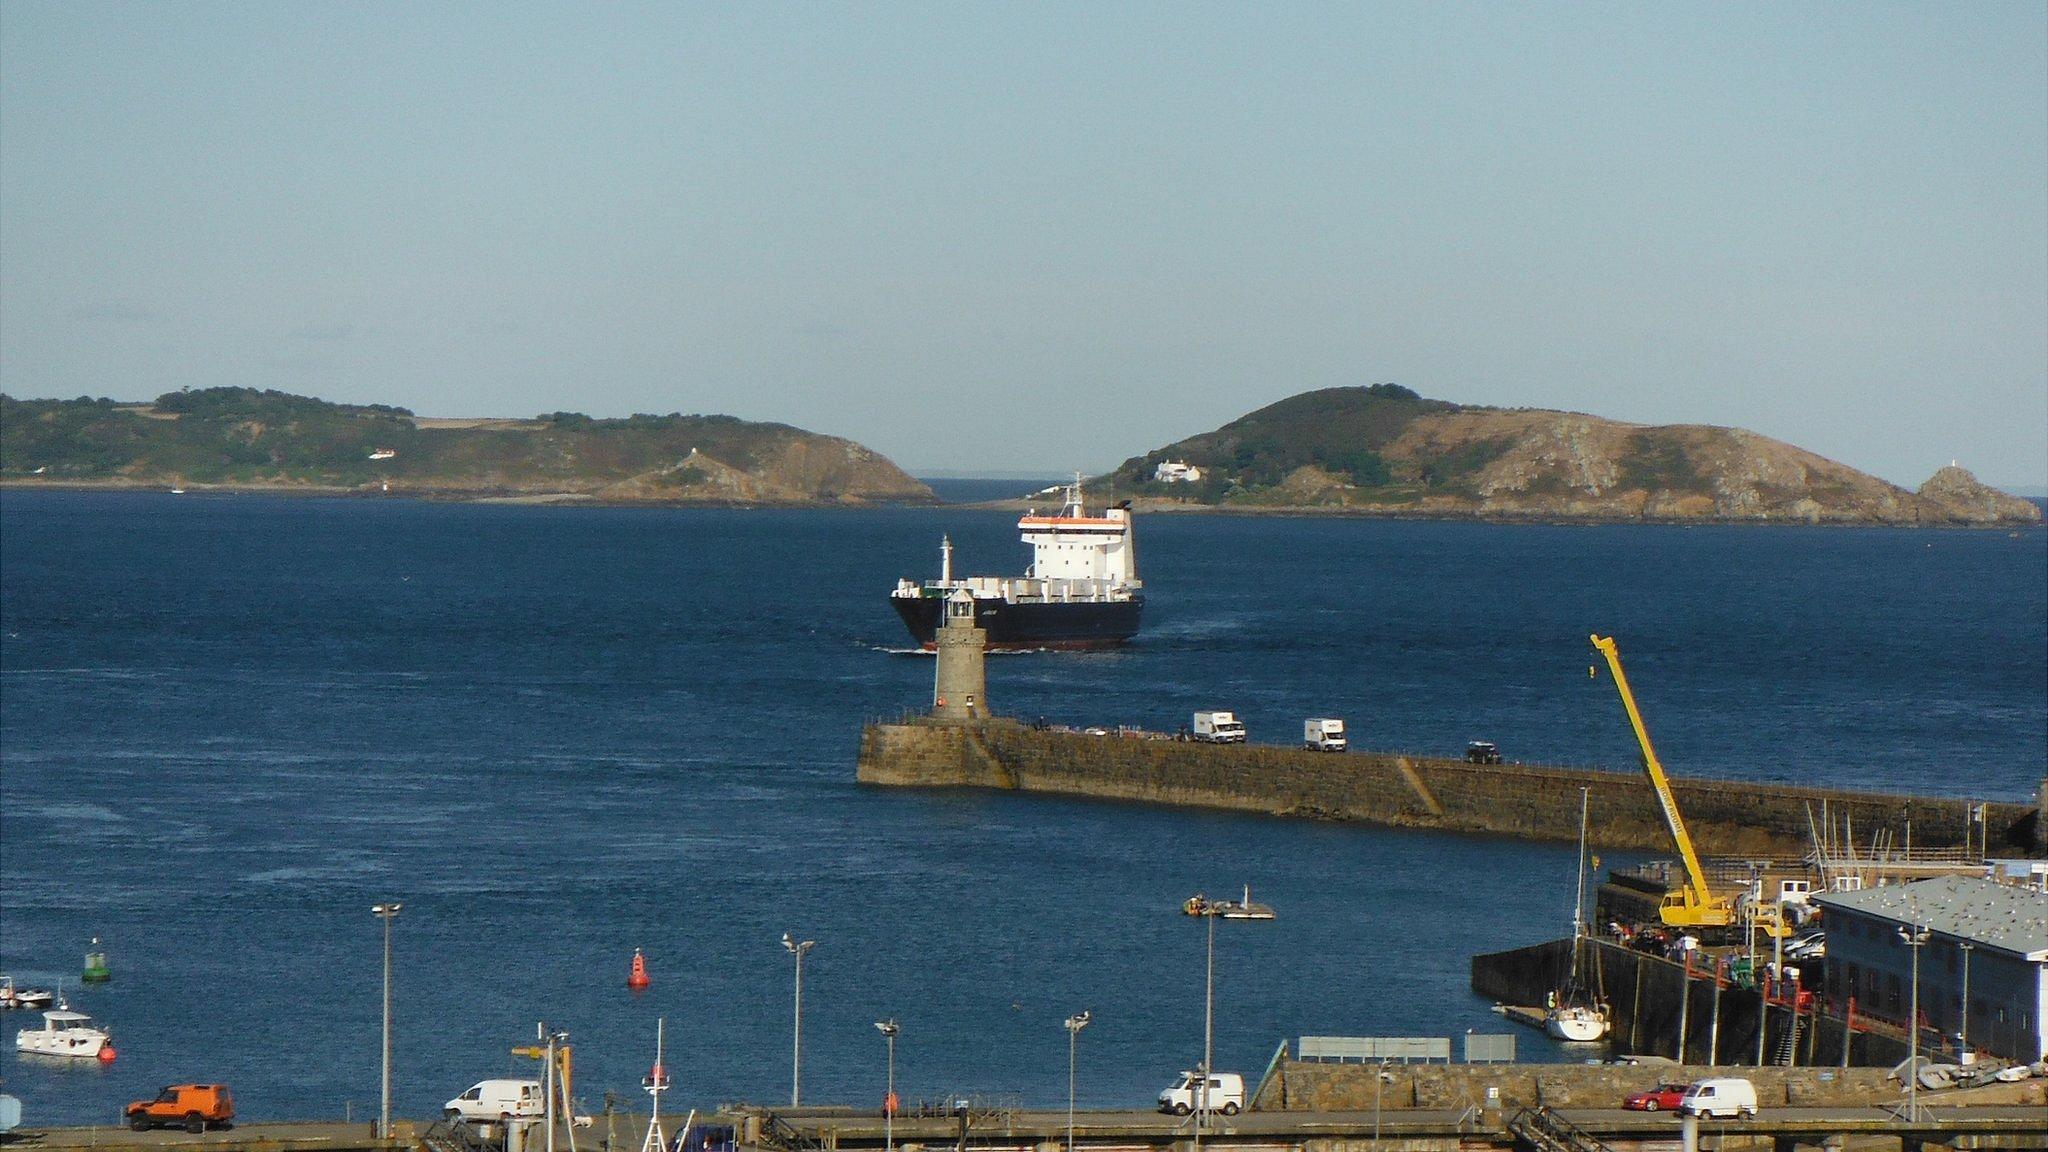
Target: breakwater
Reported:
[(1725, 817)]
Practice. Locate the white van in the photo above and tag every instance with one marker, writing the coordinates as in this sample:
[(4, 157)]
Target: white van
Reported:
[(1226, 1094), (1725, 1098), (497, 1100)]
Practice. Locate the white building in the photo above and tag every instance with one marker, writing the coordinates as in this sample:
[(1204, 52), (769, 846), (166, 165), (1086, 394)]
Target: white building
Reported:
[(1987, 945), (1177, 472)]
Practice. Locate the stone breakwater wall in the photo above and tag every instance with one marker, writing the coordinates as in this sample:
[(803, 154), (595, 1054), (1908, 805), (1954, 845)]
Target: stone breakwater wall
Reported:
[(1724, 817), (1307, 1086)]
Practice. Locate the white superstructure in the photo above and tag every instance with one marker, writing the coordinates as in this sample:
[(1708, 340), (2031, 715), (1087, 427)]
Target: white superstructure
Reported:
[(1074, 546)]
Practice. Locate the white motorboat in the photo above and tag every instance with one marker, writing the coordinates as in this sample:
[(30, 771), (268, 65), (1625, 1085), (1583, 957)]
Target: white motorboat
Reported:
[(15, 997), (64, 1033)]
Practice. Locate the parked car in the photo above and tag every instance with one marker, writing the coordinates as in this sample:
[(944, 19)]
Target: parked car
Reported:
[(497, 1100), (1226, 1094), (1662, 1098), (1482, 752), (196, 1107), (1724, 1097), (1808, 946)]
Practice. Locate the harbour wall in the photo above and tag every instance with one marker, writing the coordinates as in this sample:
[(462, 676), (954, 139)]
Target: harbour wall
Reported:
[(1725, 817), (1650, 999), (1311, 1086)]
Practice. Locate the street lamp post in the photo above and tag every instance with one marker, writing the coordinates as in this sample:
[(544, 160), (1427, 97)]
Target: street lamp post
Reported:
[(796, 1060), (384, 1112), (1379, 1083), (1211, 910), (888, 1029), (1915, 938), (1963, 1034), (1074, 1026)]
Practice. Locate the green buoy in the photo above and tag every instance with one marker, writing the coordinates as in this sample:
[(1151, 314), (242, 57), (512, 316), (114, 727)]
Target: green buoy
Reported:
[(96, 970)]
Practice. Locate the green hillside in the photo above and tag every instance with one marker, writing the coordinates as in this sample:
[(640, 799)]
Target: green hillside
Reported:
[(243, 437), (1340, 431)]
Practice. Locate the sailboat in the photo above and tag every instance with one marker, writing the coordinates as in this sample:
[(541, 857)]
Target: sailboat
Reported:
[(1574, 1015)]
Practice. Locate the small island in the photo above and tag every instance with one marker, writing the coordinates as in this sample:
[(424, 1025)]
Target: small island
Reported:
[(243, 439), (1385, 450)]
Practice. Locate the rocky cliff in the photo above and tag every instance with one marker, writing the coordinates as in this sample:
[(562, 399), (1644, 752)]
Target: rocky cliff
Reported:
[(1958, 491), (1385, 449), (242, 438)]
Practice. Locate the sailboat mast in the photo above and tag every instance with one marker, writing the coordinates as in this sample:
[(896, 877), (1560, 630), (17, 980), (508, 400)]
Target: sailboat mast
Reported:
[(1579, 898)]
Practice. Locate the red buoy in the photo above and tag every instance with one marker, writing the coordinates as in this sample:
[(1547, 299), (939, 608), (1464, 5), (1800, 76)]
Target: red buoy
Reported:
[(637, 980), (107, 1054)]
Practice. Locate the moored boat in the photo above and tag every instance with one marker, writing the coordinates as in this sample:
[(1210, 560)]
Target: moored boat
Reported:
[(64, 1033), (13, 996), (1577, 1023), (1575, 1015)]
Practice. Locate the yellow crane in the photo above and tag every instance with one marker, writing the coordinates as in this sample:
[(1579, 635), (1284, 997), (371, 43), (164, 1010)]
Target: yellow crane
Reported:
[(1692, 905)]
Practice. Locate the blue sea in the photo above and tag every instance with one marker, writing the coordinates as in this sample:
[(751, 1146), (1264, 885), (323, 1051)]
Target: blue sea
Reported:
[(228, 725)]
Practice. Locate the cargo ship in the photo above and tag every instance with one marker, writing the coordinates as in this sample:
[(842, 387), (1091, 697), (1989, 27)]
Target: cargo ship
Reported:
[(1081, 591)]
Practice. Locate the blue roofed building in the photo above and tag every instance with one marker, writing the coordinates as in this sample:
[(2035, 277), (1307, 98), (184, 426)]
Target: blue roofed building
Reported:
[(1983, 968)]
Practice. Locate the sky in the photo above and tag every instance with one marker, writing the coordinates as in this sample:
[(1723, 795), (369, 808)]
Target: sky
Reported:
[(1034, 237)]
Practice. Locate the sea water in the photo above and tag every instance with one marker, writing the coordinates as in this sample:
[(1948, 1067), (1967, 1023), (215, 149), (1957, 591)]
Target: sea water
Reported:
[(228, 725)]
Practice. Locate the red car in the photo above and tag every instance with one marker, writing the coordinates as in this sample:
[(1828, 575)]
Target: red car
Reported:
[(1663, 1097)]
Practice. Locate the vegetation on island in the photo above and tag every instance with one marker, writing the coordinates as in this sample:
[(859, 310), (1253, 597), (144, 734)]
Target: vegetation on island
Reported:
[(1387, 449), (1339, 433), (244, 437)]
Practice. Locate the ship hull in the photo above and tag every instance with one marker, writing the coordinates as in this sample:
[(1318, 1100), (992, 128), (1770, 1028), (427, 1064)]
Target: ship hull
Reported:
[(1018, 627)]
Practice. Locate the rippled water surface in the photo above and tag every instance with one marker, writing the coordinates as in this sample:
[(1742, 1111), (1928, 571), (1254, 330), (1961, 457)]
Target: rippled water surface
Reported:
[(229, 725)]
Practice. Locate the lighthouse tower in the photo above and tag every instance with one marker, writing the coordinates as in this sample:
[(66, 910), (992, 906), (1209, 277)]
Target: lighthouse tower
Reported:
[(960, 689)]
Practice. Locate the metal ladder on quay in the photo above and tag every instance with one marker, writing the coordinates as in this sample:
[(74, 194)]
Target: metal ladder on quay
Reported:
[(1542, 1130), (1788, 1041), (452, 1136), (779, 1133)]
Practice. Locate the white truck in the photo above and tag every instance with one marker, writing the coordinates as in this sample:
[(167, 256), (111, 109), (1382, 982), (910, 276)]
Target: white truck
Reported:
[(1323, 734), (1218, 728)]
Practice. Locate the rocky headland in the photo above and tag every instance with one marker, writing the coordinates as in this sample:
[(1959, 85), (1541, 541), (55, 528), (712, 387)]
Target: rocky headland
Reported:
[(1385, 450)]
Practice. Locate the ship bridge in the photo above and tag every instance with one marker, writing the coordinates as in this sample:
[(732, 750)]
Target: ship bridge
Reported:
[(1074, 546)]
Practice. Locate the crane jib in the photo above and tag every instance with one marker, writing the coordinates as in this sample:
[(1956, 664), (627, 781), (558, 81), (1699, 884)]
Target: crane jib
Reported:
[(1699, 907)]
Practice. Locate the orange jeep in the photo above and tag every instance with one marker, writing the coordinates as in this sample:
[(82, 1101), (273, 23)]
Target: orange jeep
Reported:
[(194, 1105)]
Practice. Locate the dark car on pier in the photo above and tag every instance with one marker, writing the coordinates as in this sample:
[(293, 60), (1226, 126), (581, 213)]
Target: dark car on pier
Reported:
[(1662, 1098)]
